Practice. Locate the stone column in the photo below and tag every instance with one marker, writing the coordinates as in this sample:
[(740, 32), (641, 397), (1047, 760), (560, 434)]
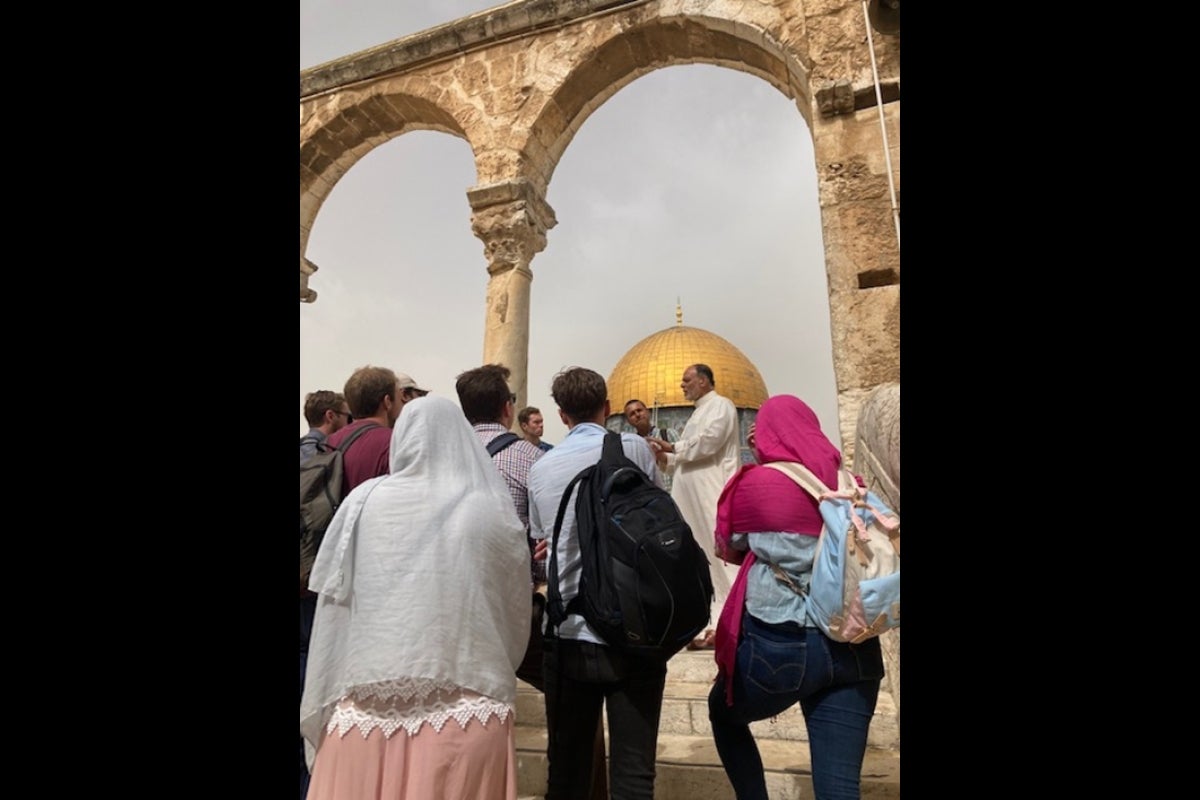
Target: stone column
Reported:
[(511, 219)]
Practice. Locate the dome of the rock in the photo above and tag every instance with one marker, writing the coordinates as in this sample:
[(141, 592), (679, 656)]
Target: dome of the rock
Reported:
[(651, 370)]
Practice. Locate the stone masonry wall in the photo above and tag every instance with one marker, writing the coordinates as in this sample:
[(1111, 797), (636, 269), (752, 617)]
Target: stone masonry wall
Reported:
[(516, 82)]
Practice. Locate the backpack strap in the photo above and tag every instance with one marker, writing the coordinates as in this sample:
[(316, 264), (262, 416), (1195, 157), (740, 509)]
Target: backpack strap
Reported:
[(612, 454), (344, 446), (613, 451), (803, 476), (618, 466), (500, 442), (556, 611), (848, 489), (784, 578)]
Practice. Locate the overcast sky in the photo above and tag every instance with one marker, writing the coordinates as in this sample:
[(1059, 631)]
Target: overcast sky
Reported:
[(694, 182)]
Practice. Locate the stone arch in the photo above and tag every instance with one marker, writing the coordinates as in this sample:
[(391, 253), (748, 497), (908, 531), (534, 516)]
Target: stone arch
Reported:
[(336, 135), (656, 43), (517, 80), (511, 215)]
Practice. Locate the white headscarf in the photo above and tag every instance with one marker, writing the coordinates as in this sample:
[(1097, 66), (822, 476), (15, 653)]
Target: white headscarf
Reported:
[(422, 573)]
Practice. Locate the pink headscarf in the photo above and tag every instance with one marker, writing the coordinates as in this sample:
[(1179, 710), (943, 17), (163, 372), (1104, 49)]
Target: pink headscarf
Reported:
[(786, 429)]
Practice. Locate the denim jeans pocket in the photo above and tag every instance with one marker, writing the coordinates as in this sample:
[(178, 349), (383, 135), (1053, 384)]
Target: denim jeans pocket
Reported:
[(773, 666)]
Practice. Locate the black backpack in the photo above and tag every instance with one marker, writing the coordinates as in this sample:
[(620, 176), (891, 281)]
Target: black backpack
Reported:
[(645, 586), (320, 495)]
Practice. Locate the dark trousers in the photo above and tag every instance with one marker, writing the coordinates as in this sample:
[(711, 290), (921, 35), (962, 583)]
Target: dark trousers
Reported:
[(532, 673), (308, 609), (582, 679)]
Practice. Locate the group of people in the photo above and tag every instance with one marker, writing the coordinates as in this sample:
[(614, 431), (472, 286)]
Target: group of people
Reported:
[(421, 610)]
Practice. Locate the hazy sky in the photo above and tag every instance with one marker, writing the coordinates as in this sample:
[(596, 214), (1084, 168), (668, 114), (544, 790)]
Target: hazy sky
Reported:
[(694, 182)]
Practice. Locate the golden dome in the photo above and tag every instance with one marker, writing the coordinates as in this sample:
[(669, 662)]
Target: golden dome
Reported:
[(651, 370)]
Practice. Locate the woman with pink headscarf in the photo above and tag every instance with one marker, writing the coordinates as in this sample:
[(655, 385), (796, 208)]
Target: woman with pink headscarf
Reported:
[(769, 656)]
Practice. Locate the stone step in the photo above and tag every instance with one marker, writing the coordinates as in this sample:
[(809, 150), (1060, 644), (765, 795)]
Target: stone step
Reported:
[(688, 715), (688, 768), (685, 707), (692, 666)]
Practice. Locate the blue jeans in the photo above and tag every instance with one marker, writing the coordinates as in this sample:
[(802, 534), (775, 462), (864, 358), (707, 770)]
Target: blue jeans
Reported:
[(582, 678), (836, 685)]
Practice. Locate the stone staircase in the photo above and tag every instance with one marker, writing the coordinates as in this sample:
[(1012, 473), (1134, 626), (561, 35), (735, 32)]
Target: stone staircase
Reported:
[(688, 766)]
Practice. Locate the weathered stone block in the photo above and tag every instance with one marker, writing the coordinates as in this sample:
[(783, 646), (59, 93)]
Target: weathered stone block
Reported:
[(504, 22), (866, 338), (850, 179), (860, 237), (835, 98), (314, 158), (472, 31), (382, 113)]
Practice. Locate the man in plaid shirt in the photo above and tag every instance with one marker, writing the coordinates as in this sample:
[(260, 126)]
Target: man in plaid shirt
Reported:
[(491, 408)]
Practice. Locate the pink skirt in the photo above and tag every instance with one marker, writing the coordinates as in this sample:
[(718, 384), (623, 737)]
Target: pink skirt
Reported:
[(473, 763)]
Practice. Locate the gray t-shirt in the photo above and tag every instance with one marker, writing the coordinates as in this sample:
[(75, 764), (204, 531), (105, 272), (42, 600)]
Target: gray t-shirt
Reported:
[(310, 443)]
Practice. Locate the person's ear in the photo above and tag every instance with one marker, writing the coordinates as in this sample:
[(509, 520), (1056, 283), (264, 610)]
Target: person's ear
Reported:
[(563, 417)]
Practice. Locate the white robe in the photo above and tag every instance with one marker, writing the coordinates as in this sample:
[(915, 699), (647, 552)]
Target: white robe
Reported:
[(706, 456)]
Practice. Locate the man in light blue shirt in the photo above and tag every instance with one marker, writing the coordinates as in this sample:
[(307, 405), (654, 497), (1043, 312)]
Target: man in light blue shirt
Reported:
[(581, 672)]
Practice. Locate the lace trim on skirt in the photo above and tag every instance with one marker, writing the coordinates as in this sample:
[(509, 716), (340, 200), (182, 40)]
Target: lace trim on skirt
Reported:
[(409, 703)]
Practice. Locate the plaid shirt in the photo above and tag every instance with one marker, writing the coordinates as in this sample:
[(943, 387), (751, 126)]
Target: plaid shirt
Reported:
[(514, 462)]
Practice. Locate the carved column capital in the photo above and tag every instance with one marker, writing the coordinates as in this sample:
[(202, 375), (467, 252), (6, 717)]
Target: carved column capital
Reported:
[(511, 219), (307, 268)]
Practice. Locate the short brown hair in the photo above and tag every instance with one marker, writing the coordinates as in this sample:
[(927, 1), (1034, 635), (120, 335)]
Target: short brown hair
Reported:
[(318, 402), (483, 391), (580, 393), (525, 413), (366, 389)]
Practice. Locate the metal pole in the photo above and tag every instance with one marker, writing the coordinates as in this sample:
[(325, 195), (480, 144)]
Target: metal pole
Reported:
[(887, 156)]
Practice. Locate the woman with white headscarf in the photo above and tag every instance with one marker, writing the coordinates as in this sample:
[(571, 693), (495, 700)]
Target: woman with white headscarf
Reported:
[(422, 620)]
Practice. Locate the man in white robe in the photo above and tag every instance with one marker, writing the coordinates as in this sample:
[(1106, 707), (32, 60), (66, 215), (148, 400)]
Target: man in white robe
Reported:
[(700, 463)]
